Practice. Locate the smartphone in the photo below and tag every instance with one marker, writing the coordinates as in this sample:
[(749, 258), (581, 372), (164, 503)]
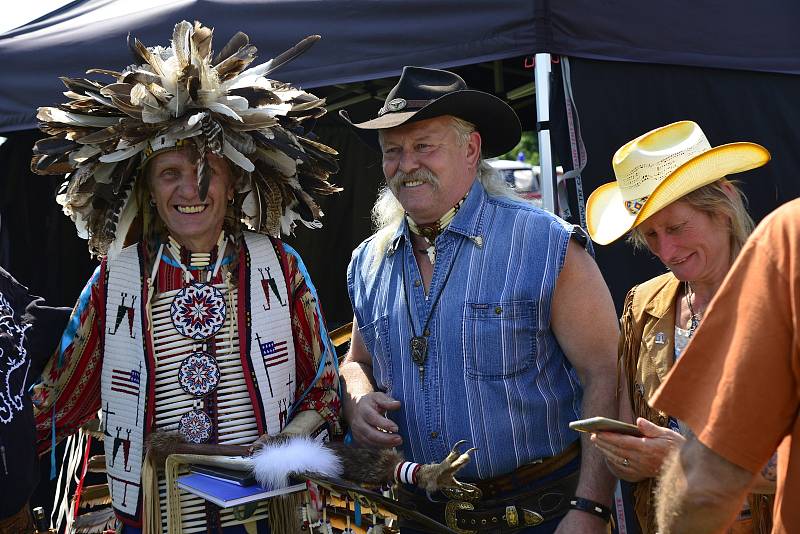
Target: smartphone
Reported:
[(241, 478), (604, 424)]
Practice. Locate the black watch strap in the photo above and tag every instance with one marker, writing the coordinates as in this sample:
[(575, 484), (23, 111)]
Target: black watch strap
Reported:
[(591, 507)]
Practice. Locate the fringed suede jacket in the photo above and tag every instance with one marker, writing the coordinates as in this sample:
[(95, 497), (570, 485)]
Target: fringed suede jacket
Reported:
[(646, 354)]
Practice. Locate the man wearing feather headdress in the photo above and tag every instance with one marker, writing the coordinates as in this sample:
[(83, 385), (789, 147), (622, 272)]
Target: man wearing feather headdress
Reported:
[(191, 323)]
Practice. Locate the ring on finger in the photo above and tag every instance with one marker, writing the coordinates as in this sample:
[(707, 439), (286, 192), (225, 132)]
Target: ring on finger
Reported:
[(626, 462)]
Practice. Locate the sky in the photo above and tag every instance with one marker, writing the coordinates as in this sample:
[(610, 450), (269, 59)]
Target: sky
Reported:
[(19, 13)]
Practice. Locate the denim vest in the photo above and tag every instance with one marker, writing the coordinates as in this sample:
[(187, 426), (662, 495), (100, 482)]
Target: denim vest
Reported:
[(494, 373)]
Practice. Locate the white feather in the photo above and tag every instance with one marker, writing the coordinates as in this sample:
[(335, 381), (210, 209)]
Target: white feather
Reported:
[(237, 157), (249, 205), (154, 115), (125, 152), (129, 212), (222, 109), (236, 103), (85, 152), (273, 464), (258, 70), (195, 119), (65, 117)]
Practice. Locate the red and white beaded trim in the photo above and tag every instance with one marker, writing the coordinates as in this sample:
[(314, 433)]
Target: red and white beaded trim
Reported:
[(406, 473)]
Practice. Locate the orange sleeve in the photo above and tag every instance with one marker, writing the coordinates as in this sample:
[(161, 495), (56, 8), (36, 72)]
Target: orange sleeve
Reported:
[(736, 385)]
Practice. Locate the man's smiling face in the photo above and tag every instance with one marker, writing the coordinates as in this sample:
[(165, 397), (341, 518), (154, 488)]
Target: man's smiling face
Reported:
[(172, 177), (428, 167)]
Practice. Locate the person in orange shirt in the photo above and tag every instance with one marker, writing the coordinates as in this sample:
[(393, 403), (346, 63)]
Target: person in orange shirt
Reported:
[(737, 387)]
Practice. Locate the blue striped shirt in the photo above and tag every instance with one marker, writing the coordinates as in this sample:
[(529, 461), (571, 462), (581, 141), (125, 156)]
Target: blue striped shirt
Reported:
[(494, 373)]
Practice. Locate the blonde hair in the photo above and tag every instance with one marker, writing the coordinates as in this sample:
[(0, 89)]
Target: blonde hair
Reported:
[(720, 198)]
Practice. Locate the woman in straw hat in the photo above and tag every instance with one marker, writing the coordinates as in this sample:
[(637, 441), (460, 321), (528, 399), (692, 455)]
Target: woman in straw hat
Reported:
[(672, 196)]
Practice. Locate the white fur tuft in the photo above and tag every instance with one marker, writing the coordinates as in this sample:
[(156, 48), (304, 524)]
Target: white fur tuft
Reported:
[(273, 463)]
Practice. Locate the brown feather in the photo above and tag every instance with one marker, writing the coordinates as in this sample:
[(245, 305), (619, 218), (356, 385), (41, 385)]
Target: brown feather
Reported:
[(80, 85), (297, 50), (100, 136), (107, 72), (236, 43), (140, 76), (201, 40), (54, 146), (95, 522), (256, 96), (236, 63), (97, 464), (95, 495), (44, 164), (143, 56)]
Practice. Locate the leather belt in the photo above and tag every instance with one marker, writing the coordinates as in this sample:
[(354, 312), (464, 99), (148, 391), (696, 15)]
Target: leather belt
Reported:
[(526, 474), (500, 516)]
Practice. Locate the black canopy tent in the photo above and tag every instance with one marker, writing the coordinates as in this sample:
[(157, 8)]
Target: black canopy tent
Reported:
[(729, 65)]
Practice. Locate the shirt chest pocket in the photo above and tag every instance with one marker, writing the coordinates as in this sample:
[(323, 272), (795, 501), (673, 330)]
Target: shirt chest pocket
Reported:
[(499, 338), (376, 339)]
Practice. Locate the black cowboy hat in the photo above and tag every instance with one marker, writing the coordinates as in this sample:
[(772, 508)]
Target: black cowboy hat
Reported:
[(427, 93)]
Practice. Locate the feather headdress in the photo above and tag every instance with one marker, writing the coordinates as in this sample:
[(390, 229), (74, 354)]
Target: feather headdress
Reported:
[(178, 96)]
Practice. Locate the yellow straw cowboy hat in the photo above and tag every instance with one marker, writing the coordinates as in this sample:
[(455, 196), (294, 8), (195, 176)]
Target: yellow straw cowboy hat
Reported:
[(658, 168)]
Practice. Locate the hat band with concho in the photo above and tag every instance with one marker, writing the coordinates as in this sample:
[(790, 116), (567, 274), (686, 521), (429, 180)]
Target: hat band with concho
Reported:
[(423, 93), (400, 104), (658, 168)]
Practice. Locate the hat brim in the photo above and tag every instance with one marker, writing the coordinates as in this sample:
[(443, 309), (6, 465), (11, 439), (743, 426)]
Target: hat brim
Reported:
[(608, 219), (497, 123)]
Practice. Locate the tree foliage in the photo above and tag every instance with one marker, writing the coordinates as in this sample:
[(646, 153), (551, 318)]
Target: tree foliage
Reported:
[(528, 145)]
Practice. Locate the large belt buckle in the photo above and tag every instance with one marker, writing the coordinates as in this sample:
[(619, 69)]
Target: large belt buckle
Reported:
[(531, 518), (451, 515), (465, 492)]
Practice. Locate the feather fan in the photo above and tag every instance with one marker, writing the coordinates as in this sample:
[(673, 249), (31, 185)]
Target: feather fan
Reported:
[(95, 522)]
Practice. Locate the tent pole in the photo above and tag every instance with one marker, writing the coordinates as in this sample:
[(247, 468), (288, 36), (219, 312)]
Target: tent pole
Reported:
[(542, 82)]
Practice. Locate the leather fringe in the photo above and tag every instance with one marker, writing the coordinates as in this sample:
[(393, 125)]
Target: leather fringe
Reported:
[(285, 512)]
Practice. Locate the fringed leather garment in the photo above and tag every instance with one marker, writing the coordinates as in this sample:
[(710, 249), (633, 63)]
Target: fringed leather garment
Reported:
[(646, 354)]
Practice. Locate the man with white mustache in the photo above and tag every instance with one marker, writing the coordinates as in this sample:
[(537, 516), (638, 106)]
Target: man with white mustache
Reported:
[(477, 317)]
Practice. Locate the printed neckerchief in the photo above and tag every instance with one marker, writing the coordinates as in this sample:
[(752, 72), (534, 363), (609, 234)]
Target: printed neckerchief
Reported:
[(432, 230)]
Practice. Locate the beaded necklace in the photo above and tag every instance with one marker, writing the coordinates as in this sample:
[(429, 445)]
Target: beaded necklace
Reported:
[(432, 230), (694, 320)]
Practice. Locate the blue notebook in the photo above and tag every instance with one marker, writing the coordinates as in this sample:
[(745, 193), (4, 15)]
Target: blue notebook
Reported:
[(226, 494)]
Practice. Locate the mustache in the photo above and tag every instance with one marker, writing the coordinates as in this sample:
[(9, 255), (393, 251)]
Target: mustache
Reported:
[(423, 175)]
